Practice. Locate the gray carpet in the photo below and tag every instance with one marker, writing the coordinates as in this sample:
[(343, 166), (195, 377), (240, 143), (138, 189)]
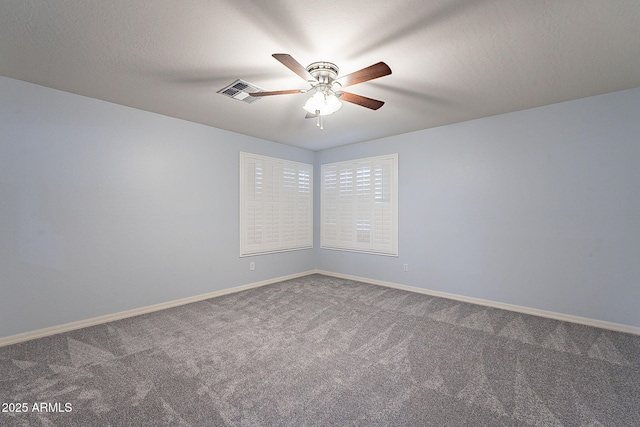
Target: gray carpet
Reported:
[(328, 352)]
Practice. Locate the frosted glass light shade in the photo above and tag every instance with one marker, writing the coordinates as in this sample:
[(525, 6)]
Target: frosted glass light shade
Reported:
[(322, 105)]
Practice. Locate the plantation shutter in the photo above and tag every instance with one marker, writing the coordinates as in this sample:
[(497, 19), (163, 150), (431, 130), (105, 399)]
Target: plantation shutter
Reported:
[(304, 207), (359, 205), (330, 206), (251, 217), (276, 211)]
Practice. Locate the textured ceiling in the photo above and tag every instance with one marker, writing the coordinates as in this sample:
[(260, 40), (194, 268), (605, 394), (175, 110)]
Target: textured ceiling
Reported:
[(452, 60)]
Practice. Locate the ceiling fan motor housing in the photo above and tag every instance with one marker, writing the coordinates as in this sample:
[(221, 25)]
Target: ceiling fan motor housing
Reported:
[(324, 72)]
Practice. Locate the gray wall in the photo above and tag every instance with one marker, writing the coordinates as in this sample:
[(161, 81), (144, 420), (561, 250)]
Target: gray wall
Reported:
[(538, 208), (105, 208)]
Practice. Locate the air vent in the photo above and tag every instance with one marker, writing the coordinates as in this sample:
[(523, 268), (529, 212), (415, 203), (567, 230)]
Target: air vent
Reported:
[(240, 90)]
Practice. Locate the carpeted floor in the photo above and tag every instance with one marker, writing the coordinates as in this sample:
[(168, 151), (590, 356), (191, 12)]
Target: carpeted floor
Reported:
[(321, 351)]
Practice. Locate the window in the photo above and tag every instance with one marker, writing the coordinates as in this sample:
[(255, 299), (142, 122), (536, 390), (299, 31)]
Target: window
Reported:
[(359, 205), (276, 205)]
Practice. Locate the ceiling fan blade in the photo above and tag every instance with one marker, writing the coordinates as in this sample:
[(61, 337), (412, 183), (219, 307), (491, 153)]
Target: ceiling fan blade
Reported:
[(371, 103), (288, 61), (310, 116), (371, 72), (276, 92)]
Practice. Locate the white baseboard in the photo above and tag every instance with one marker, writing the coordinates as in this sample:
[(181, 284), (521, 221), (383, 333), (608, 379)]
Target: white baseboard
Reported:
[(40, 333), (511, 307)]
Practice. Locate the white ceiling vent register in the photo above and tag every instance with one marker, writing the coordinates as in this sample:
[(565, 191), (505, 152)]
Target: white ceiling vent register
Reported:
[(240, 90)]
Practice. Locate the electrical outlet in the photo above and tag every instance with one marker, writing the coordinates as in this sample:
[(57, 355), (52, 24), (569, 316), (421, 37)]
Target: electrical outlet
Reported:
[(252, 266), (405, 267)]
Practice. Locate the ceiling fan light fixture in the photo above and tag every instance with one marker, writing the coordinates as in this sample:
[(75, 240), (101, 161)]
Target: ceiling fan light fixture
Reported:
[(322, 104), (327, 87)]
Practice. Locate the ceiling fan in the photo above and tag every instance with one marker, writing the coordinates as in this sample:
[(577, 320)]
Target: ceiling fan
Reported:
[(327, 87)]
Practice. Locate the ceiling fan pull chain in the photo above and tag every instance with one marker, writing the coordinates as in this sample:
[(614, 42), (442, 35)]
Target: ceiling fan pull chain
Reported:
[(319, 121)]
